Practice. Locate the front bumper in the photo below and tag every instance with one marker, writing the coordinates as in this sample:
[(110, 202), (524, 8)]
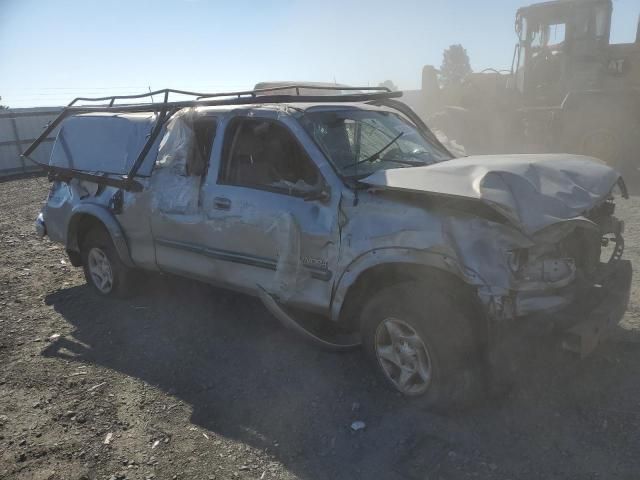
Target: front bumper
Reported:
[(582, 325), (587, 322)]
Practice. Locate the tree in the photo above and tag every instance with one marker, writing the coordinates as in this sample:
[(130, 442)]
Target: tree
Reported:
[(3, 107), (455, 66), (389, 84)]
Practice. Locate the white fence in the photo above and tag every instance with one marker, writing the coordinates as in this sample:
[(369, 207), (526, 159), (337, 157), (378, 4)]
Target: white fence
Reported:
[(18, 128)]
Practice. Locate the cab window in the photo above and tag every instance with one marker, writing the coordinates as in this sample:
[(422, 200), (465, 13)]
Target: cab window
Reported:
[(263, 154)]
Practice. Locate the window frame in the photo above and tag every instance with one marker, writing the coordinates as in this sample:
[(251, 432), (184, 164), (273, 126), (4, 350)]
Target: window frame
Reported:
[(216, 120), (230, 131)]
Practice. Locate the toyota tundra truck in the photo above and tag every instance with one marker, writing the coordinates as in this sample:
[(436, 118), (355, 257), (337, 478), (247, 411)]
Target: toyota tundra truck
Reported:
[(348, 217)]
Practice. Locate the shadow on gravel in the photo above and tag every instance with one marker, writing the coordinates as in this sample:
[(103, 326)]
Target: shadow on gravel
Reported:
[(248, 379)]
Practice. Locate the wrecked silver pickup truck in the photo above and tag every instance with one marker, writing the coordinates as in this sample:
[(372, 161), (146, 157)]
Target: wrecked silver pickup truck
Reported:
[(349, 219)]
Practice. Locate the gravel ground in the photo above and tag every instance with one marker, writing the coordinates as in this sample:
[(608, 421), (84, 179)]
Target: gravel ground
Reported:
[(188, 382)]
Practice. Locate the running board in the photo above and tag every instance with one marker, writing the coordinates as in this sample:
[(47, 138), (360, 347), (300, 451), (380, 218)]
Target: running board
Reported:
[(272, 305)]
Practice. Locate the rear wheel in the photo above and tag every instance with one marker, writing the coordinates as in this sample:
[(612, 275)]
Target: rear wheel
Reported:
[(618, 147), (609, 135), (423, 345), (103, 269), (602, 143)]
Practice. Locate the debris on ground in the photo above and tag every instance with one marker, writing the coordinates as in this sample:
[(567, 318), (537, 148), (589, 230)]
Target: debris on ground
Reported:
[(358, 425), (96, 386)]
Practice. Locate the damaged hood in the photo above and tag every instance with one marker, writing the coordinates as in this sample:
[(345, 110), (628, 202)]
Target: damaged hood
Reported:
[(532, 191)]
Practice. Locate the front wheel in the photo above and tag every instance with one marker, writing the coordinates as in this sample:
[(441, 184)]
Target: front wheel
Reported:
[(403, 356), (423, 345), (103, 269)]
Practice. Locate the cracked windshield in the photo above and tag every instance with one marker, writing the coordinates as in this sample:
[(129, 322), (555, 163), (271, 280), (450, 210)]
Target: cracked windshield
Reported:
[(360, 142)]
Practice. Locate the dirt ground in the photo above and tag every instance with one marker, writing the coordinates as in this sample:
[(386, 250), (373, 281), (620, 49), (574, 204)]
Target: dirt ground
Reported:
[(185, 381)]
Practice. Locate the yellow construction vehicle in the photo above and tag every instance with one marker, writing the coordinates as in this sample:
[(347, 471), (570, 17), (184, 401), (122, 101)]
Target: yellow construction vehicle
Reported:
[(569, 89)]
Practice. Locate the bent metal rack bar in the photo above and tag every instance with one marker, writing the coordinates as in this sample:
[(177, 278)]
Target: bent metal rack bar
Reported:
[(166, 109)]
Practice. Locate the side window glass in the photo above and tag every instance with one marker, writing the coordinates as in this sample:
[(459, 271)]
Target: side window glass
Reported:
[(548, 36), (625, 24), (264, 154), (186, 145)]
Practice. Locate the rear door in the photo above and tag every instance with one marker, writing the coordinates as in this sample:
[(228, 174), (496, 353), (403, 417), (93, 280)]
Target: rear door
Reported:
[(178, 221)]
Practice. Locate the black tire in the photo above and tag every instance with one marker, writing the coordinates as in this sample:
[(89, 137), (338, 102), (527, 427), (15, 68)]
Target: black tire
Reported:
[(98, 239), (622, 155), (630, 168), (606, 134), (457, 371)]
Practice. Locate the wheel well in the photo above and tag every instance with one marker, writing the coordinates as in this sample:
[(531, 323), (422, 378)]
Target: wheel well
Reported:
[(78, 230), (380, 276)]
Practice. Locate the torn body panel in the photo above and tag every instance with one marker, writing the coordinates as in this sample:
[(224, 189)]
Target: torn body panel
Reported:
[(71, 205)]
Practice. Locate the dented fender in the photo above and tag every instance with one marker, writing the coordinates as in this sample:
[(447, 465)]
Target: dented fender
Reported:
[(388, 256), (104, 216)]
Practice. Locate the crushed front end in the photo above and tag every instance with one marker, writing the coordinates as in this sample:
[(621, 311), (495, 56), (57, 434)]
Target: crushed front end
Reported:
[(573, 280), (535, 235)]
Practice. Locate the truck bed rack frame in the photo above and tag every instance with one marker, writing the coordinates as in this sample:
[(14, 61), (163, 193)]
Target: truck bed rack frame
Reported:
[(167, 108)]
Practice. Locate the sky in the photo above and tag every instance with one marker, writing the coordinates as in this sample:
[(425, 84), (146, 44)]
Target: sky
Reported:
[(52, 51)]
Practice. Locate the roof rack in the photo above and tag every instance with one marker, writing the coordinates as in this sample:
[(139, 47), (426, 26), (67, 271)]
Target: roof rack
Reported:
[(166, 109)]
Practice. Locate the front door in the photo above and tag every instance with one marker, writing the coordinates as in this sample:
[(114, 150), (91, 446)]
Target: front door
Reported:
[(272, 223)]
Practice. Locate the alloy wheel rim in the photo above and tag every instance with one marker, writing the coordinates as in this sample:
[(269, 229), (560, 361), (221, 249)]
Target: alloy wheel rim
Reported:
[(100, 270), (403, 356)]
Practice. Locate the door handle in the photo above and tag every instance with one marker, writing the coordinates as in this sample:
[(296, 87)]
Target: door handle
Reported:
[(221, 203)]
